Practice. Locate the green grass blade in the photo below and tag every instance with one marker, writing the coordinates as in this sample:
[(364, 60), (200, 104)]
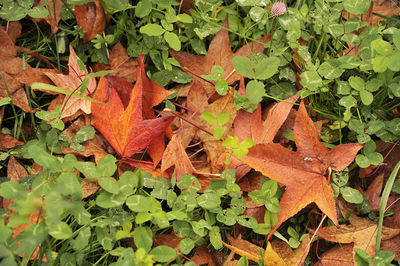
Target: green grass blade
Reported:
[(383, 203), (48, 87)]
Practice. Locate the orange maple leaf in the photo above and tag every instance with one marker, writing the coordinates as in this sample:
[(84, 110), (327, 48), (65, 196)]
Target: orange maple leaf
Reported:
[(123, 126), (302, 172)]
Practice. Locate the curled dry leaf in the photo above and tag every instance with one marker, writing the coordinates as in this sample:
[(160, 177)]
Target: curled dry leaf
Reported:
[(302, 172), (90, 17)]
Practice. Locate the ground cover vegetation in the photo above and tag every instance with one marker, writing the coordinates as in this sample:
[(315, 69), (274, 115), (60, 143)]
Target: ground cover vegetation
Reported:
[(218, 132)]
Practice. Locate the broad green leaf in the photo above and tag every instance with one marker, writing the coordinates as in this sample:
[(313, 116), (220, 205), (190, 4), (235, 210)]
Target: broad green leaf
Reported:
[(330, 69), (143, 8), (373, 85), (173, 40), (256, 13), (349, 61), (41, 157), (362, 161), (223, 118), (107, 166), (395, 89), (38, 12), (266, 68), (163, 254), (108, 200), (118, 5), (348, 101), (143, 238), (209, 200), (128, 182), (351, 195), (394, 62), (60, 230), (109, 184), (152, 30), (357, 83), (209, 117), (244, 66), (11, 190), (366, 97), (139, 203), (357, 7), (310, 80), (218, 132), (380, 63), (255, 91), (184, 18), (88, 169), (69, 185), (81, 215), (374, 158), (382, 47), (186, 245), (335, 30)]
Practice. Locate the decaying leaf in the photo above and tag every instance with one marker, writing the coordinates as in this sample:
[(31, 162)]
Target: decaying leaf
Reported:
[(302, 172), (72, 82), (124, 126), (276, 253), (15, 171), (121, 64), (90, 17), (361, 231), (219, 53)]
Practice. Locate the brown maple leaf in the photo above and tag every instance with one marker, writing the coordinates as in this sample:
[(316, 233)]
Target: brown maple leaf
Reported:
[(361, 231), (91, 18), (15, 71), (71, 82), (124, 127), (302, 172), (121, 64), (219, 53)]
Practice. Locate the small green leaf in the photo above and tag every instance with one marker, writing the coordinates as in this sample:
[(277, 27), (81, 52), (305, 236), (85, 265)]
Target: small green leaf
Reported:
[(38, 12), (107, 166), (380, 63), (109, 184), (255, 91), (107, 200), (163, 254), (70, 186), (357, 83), (139, 203), (357, 7), (310, 80), (361, 257), (218, 132), (362, 161), (186, 245), (266, 68), (209, 117), (366, 97), (244, 66), (143, 238), (173, 40), (60, 230), (221, 86), (351, 195), (143, 8), (223, 118), (85, 133), (382, 47), (152, 30), (184, 18), (10, 190)]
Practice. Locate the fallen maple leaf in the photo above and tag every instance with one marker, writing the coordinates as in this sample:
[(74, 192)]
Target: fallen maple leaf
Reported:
[(276, 253), (219, 53), (124, 127), (361, 231), (302, 172), (71, 82), (90, 17), (121, 64)]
